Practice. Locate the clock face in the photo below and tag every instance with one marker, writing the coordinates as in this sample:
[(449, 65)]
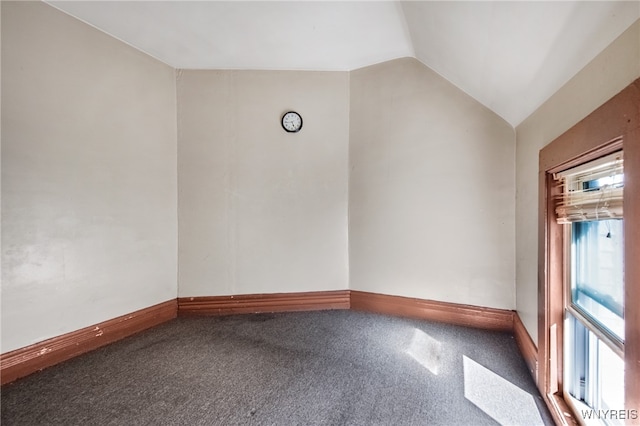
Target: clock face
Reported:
[(291, 122)]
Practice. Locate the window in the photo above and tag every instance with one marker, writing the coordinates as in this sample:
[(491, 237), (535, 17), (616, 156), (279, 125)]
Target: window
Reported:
[(589, 206), (563, 317), (597, 270)]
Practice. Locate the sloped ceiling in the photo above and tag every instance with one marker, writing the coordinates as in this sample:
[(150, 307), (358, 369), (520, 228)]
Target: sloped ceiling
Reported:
[(510, 56)]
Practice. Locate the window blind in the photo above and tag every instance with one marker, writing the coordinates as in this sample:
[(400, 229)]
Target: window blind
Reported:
[(591, 191)]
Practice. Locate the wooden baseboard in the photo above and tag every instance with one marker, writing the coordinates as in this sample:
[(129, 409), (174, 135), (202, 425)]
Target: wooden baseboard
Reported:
[(24, 361), (27, 360), (255, 303), (451, 313), (527, 348)]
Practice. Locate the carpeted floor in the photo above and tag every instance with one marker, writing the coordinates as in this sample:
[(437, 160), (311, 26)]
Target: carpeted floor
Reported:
[(308, 368)]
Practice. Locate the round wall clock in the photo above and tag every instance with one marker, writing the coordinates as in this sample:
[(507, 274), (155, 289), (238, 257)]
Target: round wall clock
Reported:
[(291, 122)]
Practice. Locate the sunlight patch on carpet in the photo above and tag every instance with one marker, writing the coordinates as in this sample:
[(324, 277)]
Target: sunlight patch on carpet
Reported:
[(426, 350), (492, 394)]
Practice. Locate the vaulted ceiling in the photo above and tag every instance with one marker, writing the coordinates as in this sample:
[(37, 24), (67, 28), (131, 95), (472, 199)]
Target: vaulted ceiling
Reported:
[(510, 56)]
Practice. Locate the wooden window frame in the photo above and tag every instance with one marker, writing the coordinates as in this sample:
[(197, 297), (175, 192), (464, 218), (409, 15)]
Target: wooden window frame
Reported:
[(613, 126)]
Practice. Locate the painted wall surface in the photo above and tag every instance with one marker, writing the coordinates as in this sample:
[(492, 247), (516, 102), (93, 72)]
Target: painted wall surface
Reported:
[(89, 205), (610, 72), (262, 210), (431, 193)]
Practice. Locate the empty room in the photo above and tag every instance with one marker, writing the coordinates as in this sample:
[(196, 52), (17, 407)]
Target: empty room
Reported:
[(319, 212)]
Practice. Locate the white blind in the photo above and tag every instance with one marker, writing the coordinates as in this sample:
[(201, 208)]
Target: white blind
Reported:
[(591, 191)]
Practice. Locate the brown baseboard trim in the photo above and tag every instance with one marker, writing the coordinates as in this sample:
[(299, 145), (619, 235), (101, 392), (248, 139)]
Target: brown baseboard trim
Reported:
[(256, 303), (451, 313), (527, 348), (30, 359), (27, 360)]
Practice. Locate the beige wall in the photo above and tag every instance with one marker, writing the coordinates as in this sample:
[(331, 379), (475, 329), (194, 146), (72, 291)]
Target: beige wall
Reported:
[(396, 175), (261, 210), (89, 227), (431, 192), (609, 73)]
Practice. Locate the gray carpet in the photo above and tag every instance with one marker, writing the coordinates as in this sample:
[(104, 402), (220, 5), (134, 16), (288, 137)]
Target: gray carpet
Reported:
[(309, 368)]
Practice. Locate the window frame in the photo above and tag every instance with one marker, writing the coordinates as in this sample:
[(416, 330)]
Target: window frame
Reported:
[(591, 326), (608, 337), (613, 126)]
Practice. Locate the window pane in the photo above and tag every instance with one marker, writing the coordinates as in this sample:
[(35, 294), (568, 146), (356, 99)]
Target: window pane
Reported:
[(576, 358), (611, 369), (593, 374), (597, 285)]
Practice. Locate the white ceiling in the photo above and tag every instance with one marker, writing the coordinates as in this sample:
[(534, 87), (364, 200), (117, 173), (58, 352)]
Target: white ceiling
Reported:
[(510, 56)]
